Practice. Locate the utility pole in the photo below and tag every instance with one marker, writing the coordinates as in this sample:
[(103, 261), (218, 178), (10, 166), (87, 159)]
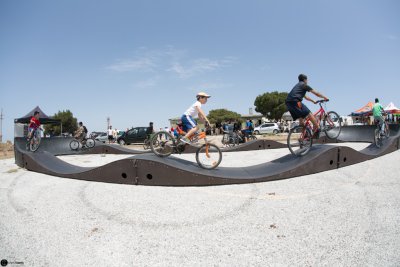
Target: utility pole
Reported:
[(1, 126), (108, 123)]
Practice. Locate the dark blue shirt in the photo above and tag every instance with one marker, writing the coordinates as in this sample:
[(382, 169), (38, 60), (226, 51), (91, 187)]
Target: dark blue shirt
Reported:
[(298, 92)]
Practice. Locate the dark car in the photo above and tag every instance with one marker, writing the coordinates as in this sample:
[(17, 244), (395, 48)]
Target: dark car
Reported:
[(134, 135)]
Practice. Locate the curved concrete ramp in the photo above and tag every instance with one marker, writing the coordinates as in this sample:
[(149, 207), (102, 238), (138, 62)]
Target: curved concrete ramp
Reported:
[(148, 169)]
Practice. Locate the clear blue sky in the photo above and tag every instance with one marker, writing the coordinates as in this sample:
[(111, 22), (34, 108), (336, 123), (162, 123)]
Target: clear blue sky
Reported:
[(141, 61)]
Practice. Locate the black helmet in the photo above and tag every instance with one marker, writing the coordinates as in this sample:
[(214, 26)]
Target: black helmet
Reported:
[(302, 77)]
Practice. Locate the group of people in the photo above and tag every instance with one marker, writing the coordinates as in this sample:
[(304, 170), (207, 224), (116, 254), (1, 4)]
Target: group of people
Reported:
[(294, 103), (112, 134)]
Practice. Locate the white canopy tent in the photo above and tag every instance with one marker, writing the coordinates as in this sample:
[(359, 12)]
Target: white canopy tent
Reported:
[(391, 108)]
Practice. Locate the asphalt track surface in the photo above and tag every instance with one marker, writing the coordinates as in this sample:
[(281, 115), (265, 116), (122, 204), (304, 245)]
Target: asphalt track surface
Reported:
[(148, 169), (343, 217), (346, 216)]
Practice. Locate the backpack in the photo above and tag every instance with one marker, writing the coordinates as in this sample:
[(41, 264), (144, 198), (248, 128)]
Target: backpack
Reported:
[(251, 127), (85, 129)]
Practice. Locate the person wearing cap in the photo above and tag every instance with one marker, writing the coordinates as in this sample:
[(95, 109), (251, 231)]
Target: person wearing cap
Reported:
[(295, 106), (378, 112), (189, 125)]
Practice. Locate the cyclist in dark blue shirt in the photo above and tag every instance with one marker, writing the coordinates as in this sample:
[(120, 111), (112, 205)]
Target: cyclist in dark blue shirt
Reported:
[(295, 106)]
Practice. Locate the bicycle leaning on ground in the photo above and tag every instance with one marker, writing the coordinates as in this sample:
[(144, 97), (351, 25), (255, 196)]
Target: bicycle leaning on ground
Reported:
[(208, 155), (33, 142), (299, 140), (229, 139), (378, 136), (75, 144)]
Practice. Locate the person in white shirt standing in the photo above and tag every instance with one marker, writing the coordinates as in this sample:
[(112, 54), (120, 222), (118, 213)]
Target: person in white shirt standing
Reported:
[(189, 124), (110, 135)]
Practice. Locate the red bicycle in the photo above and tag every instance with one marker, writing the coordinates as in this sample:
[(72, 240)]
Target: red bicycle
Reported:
[(300, 137)]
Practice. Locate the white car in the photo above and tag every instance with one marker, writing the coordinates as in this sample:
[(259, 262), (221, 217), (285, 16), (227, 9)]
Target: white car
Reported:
[(102, 137), (269, 127)]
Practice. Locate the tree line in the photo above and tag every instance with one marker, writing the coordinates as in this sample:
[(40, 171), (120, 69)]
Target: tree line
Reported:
[(271, 105)]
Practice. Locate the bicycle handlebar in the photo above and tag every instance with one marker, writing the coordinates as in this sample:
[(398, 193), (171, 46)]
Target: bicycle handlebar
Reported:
[(321, 101)]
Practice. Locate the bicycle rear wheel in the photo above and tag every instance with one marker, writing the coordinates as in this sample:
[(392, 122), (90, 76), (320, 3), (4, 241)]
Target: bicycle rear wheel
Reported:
[(162, 144), (299, 140), (387, 130), (74, 144), (90, 143), (208, 156), (332, 125)]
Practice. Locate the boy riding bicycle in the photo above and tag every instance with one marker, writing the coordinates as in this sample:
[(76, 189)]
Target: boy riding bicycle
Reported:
[(189, 124), (378, 112), (295, 106), (80, 134), (34, 124)]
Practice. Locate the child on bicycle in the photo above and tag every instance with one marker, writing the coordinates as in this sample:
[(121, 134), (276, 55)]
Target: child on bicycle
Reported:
[(295, 106), (189, 124), (80, 134), (378, 112), (34, 124)]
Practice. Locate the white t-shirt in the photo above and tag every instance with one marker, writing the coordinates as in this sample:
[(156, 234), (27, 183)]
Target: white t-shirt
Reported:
[(110, 131), (192, 111)]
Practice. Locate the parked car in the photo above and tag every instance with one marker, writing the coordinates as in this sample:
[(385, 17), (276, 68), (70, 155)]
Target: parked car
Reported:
[(134, 135), (95, 134), (269, 127), (102, 137)]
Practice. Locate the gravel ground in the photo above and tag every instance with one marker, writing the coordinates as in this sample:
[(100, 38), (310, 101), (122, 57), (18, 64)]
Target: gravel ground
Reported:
[(344, 217)]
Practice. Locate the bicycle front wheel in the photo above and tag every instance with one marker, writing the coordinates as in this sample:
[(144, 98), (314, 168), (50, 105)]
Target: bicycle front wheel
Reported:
[(332, 125), (208, 156), (90, 143), (162, 144), (299, 140), (387, 130), (378, 138)]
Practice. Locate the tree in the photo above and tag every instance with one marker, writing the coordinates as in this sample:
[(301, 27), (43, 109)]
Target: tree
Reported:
[(272, 105), (222, 115), (69, 123)]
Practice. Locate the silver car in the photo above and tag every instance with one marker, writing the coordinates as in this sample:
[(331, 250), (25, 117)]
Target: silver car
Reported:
[(269, 127)]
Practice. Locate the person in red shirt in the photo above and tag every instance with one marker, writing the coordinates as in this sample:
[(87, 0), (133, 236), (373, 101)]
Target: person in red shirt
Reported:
[(33, 124)]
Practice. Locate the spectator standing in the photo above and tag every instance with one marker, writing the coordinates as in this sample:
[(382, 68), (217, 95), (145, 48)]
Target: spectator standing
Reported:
[(110, 135)]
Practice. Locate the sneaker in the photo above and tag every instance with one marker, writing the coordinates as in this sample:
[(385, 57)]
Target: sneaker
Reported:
[(185, 140), (316, 133)]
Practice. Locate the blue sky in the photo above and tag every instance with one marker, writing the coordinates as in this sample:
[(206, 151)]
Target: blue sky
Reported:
[(141, 61)]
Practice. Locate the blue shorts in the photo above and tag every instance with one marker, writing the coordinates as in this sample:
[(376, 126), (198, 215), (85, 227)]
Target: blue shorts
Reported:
[(296, 111), (187, 123), (31, 129)]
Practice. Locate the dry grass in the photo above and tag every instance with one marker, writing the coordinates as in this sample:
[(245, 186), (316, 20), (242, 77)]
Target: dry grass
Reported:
[(6, 150)]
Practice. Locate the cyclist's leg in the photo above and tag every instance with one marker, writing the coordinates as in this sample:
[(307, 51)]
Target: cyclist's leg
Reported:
[(189, 126), (314, 122), (30, 131), (382, 122)]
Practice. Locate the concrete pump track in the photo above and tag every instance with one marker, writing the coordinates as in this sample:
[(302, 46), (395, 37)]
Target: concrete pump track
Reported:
[(147, 169)]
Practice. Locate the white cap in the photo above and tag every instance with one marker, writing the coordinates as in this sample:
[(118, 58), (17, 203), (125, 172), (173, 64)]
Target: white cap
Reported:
[(203, 94)]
